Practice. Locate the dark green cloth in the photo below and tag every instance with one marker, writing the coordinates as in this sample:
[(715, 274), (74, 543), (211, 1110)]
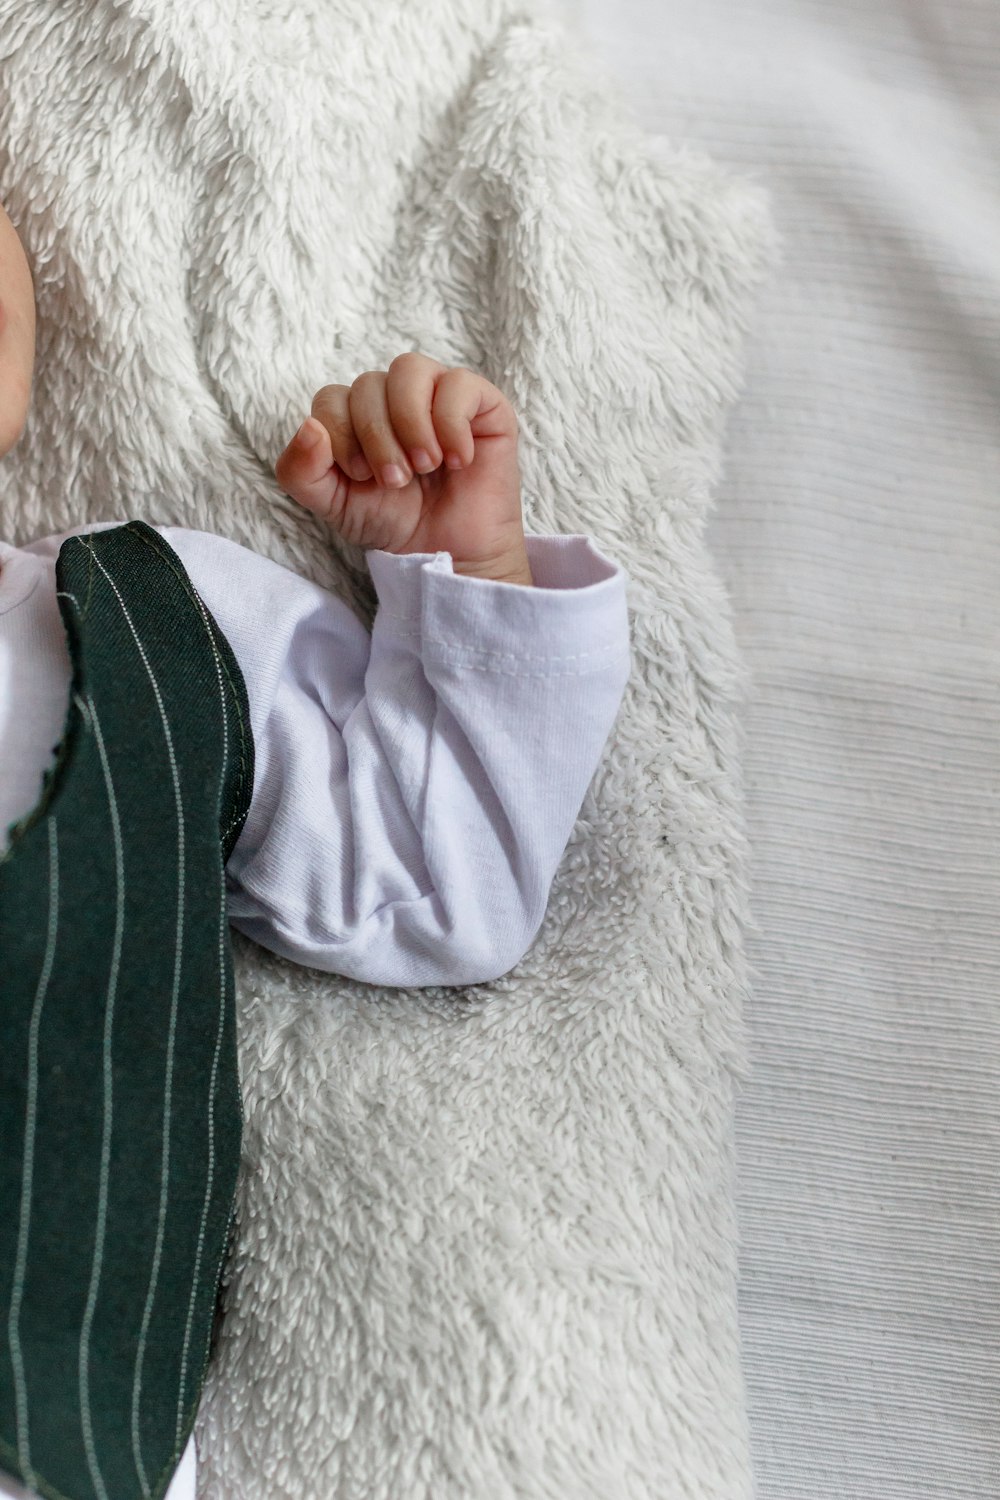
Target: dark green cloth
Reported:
[(120, 1110)]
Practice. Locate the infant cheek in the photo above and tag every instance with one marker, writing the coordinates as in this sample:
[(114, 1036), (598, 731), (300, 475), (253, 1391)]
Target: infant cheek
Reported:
[(15, 395)]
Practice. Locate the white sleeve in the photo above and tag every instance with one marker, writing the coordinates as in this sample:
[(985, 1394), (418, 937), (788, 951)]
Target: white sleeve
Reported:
[(415, 789)]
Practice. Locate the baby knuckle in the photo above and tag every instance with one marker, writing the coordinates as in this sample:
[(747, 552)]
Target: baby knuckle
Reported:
[(367, 378), (328, 395), (370, 433), (330, 408)]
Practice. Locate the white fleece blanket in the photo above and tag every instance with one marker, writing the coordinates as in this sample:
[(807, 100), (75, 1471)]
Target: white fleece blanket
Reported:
[(486, 1241)]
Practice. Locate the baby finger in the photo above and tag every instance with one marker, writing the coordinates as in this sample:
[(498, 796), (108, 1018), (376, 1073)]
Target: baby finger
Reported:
[(459, 397), (331, 407)]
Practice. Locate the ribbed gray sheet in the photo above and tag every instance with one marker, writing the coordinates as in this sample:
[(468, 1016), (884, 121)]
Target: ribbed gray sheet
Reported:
[(858, 529)]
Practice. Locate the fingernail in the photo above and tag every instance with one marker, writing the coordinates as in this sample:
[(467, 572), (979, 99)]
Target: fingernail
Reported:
[(453, 460), (392, 474), (421, 459), (308, 435)]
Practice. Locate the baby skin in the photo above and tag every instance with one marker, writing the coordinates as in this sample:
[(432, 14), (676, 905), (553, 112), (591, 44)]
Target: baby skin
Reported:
[(418, 458)]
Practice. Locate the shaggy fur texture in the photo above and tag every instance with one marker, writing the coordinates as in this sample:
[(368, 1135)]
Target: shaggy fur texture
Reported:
[(486, 1237)]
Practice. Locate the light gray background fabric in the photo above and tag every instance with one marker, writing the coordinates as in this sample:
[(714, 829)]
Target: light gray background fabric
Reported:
[(858, 530)]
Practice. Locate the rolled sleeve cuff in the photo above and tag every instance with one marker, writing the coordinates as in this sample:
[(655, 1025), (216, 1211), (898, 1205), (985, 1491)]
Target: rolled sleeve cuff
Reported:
[(574, 619)]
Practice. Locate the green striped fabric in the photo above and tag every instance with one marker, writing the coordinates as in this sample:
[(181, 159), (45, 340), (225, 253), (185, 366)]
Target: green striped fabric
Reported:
[(120, 1111)]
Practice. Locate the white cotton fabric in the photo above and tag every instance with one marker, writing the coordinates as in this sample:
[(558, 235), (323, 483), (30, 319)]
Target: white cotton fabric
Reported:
[(414, 788)]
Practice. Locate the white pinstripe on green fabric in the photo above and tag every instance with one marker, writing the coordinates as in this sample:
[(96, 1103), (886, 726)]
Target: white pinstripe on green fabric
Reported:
[(168, 1081), (88, 712), (102, 1197), (223, 927), (27, 1168)]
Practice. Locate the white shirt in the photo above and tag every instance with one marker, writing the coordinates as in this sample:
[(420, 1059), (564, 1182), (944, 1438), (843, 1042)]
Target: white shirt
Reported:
[(416, 787)]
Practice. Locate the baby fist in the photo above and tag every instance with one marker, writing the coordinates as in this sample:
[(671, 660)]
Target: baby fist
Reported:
[(416, 458)]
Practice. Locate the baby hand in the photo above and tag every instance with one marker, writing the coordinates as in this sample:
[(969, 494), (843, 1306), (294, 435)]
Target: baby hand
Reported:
[(418, 415)]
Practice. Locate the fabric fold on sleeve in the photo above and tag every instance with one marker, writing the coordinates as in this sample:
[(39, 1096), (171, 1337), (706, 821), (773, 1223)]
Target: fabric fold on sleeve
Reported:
[(409, 818)]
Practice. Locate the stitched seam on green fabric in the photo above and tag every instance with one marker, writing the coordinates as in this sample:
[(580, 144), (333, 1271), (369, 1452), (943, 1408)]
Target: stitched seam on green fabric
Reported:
[(169, 1468), (166, 558), (83, 541), (227, 1247), (243, 791), (195, 598)]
